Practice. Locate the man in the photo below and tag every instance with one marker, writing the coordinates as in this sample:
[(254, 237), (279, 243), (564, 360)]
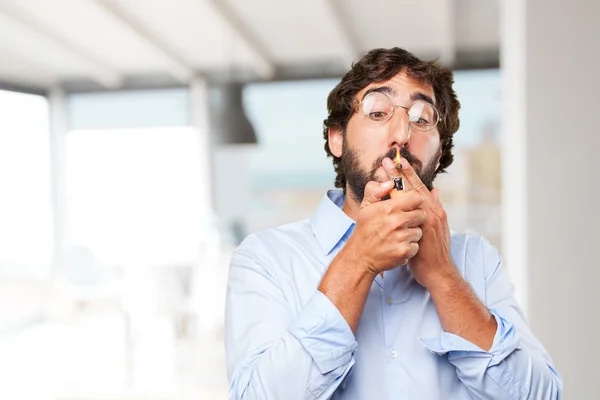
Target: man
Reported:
[(373, 297)]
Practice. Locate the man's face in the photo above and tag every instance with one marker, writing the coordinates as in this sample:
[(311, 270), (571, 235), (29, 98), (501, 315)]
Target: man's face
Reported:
[(367, 142)]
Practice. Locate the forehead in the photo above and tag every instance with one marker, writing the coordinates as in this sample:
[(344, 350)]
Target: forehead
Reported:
[(403, 86)]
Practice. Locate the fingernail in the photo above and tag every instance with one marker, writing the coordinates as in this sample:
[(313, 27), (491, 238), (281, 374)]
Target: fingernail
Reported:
[(403, 162), (386, 184)]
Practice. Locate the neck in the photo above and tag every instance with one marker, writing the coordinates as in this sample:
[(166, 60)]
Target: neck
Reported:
[(351, 207)]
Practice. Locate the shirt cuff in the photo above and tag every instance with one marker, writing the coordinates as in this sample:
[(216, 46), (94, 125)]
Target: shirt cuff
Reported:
[(505, 342), (324, 334)]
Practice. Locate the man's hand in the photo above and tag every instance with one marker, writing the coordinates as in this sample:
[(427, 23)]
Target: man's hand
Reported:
[(459, 309), (433, 262), (387, 232), (385, 236)]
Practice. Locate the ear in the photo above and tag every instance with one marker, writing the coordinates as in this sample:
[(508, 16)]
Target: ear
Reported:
[(335, 140)]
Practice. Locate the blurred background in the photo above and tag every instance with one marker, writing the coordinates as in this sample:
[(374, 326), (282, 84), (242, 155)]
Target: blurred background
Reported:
[(142, 140)]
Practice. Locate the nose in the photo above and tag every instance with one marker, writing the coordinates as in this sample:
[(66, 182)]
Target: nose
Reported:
[(399, 134)]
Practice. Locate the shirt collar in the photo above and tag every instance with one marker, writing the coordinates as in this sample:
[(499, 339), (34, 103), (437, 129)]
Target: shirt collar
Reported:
[(329, 222)]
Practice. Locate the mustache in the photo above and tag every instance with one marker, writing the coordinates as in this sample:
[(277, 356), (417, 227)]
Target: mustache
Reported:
[(413, 161)]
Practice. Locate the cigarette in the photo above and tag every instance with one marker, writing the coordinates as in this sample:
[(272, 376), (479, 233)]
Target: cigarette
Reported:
[(398, 182)]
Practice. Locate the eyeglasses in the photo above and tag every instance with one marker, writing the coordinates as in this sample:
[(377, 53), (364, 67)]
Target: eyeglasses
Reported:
[(379, 107)]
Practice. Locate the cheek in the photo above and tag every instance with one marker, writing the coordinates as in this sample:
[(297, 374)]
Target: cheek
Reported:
[(364, 134), (425, 146), (367, 138), (368, 143)]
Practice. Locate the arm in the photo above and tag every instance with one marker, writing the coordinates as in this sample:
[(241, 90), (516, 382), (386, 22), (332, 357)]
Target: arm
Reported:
[(516, 366), (271, 352), (460, 311), (347, 285), (274, 354), (495, 354), (385, 236)]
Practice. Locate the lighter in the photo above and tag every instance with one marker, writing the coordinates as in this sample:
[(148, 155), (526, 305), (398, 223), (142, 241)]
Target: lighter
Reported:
[(398, 182)]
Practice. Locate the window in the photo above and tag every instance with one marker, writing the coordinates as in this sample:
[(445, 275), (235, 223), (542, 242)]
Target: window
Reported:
[(135, 196), (25, 203)]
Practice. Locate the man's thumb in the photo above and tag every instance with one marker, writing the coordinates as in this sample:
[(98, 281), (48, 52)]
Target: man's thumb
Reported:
[(375, 191)]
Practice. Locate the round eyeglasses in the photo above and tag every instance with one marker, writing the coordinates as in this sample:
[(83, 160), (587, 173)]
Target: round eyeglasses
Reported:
[(379, 107)]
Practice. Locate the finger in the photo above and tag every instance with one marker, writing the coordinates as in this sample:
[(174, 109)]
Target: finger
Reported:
[(410, 250), (413, 234), (375, 191), (435, 192), (414, 249), (390, 168), (416, 183), (411, 176), (407, 202), (413, 218)]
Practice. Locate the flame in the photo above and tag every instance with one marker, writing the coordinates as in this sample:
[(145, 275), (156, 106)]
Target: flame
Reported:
[(397, 158)]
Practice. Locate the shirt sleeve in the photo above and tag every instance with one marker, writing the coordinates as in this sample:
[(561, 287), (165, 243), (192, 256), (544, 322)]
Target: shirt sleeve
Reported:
[(517, 366), (272, 352)]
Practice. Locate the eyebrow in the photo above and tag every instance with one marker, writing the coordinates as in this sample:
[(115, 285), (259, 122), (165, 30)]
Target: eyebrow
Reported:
[(381, 89), (421, 96), (392, 93)]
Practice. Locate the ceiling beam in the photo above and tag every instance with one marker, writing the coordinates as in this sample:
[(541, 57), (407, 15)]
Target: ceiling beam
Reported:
[(265, 68), (180, 68), (341, 23), (99, 71), (27, 89)]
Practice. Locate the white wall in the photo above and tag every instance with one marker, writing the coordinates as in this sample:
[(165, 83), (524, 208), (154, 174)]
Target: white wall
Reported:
[(550, 60)]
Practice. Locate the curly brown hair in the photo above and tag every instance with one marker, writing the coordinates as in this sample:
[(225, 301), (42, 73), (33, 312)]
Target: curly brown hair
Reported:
[(380, 65)]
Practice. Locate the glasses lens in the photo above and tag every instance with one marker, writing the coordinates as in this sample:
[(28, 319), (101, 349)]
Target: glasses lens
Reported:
[(423, 116), (377, 106)]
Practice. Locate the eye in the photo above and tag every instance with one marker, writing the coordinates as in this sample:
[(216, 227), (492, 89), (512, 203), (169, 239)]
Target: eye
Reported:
[(419, 121), (377, 106), (422, 115), (378, 115)]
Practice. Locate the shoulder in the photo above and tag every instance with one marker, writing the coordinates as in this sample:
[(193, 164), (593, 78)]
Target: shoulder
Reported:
[(274, 238), (286, 255), (267, 244)]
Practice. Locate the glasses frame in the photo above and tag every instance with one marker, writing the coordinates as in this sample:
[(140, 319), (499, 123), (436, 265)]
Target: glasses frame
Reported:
[(359, 106)]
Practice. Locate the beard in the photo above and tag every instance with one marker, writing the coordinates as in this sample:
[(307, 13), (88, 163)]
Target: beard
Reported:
[(357, 178)]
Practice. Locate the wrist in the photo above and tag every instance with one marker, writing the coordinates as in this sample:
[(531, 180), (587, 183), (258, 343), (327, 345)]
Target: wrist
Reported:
[(352, 260), (346, 272), (445, 278)]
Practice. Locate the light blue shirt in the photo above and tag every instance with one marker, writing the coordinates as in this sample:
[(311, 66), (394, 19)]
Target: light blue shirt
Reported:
[(285, 340)]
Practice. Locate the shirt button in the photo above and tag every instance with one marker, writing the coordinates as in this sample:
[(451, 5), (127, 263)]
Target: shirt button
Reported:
[(389, 301), (393, 354)]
